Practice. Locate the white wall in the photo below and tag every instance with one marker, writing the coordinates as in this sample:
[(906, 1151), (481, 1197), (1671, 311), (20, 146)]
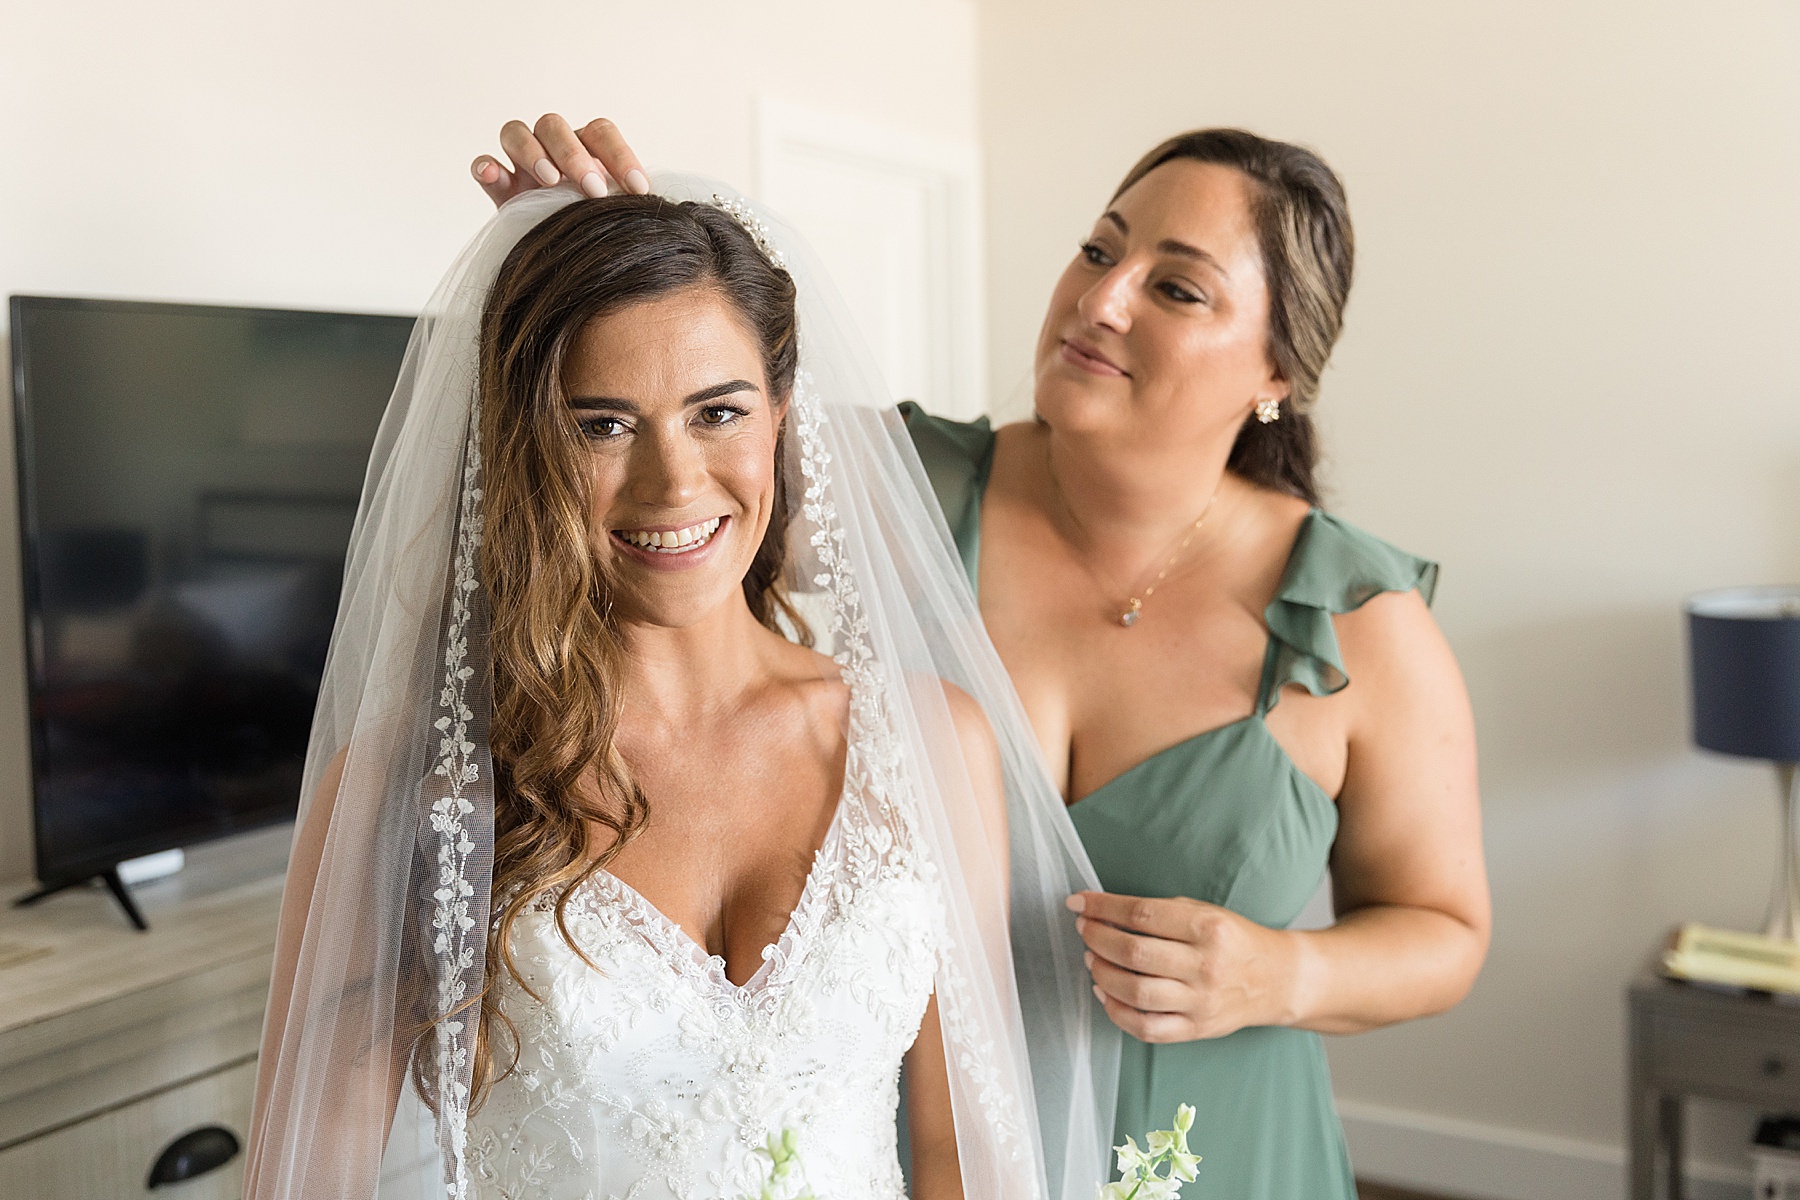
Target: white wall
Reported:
[(317, 155), (1571, 372)]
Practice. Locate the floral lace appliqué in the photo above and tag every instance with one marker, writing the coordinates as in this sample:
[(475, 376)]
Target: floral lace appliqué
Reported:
[(455, 939)]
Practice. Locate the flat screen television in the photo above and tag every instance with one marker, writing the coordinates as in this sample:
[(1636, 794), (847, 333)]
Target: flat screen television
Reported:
[(188, 476)]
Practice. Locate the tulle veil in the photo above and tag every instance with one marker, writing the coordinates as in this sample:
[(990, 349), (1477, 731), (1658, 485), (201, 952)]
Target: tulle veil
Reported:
[(363, 1086)]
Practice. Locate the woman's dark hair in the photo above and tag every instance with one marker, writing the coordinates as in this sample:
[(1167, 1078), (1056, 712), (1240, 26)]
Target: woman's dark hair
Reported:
[(556, 656), (1309, 250)]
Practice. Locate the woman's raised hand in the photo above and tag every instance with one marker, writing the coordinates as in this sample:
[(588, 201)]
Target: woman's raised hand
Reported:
[(1178, 970), (545, 154)]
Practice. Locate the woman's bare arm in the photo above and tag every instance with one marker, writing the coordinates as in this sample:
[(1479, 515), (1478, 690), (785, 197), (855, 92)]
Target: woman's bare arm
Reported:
[(1407, 870), (987, 781), (931, 1124), (1409, 879), (304, 860), (936, 1169), (340, 1134)]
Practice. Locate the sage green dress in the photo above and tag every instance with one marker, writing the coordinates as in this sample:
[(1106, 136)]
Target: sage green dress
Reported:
[(1225, 817)]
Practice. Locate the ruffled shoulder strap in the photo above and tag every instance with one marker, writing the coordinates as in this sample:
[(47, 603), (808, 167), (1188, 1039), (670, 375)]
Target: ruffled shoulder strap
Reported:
[(958, 457), (1333, 568)]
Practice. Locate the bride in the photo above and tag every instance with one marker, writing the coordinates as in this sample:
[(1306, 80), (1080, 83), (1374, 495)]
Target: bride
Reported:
[(667, 801)]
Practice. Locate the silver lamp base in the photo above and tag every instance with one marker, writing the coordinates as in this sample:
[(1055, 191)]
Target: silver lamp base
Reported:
[(1784, 905)]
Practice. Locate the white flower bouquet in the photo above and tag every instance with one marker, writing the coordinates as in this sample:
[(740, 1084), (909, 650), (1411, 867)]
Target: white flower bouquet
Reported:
[(1164, 1150), (785, 1176)]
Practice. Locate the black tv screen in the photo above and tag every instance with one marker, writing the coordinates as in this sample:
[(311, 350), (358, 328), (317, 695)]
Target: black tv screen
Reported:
[(188, 477)]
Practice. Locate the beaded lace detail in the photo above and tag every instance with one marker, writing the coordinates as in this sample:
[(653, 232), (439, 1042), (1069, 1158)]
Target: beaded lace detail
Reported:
[(655, 1076), (455, 939), (976, 1056)]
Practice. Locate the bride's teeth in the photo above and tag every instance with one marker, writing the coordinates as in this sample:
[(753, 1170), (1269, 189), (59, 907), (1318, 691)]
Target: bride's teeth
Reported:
[(673, 539)]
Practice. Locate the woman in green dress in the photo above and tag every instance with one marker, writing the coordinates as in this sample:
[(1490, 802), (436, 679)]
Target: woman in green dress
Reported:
[(1237, 691)]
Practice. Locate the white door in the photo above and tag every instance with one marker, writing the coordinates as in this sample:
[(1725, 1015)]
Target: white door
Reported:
[(896, 219)]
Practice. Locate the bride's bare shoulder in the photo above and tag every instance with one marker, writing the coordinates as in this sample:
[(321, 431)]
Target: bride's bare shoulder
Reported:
[(811, 681)]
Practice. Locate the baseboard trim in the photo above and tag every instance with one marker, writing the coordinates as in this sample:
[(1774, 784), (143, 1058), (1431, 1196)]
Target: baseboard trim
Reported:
[(1470, 1160)]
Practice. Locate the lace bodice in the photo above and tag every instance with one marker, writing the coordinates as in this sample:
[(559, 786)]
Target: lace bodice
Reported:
[(654, 1076)]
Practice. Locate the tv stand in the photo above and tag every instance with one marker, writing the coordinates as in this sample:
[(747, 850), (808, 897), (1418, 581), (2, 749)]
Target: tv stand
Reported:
[(115, 1045), (114, 884)]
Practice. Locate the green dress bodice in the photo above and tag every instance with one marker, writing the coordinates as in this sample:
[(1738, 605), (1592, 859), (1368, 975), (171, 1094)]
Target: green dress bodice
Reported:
[(1226, 817)]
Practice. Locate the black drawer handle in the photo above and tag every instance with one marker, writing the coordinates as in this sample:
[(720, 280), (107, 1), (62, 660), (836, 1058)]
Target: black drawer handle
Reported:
[(194, 1154), (1773, 1067)]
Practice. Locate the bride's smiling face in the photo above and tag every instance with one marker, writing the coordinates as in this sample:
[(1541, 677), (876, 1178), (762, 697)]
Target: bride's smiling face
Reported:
[(671, 400)]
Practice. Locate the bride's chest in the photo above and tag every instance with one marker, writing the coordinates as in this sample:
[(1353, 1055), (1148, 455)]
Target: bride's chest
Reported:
[(637, 1059), (849, 978)]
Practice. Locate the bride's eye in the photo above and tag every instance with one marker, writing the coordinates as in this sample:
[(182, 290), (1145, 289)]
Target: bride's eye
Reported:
[(602, 429), (1096, 254), (717, 416)]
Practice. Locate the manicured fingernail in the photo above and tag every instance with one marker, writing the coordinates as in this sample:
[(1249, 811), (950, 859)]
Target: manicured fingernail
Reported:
[(1077, 903), (592, 184), (546, 171), (637, 182), (1087, 959), (1098, 994)]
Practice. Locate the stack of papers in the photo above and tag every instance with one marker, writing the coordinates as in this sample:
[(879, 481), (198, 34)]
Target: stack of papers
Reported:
[(1747, 960)]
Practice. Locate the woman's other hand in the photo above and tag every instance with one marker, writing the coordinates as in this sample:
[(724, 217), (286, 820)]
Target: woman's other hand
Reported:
[(545, 154), (1178, 970)]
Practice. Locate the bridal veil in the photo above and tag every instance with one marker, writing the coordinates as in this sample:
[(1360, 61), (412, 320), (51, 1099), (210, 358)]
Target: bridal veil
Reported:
[(364, 1084)]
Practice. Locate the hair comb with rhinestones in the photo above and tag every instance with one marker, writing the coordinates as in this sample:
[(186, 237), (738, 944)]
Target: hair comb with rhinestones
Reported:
[(740, 212)]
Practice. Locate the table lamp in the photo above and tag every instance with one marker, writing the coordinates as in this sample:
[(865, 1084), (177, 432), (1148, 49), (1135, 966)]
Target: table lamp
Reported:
[(1744, 659)]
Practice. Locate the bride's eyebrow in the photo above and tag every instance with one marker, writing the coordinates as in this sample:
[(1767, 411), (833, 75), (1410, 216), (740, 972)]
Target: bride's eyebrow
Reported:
[(705, 395)]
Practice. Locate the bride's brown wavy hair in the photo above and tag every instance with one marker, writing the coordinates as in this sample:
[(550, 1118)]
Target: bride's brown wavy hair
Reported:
[(556, 657)]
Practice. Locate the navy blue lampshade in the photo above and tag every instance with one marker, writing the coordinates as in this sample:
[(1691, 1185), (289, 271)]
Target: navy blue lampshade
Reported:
[(1744, 655)]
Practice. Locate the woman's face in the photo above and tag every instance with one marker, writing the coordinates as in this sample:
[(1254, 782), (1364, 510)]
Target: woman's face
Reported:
[(681, 431), (1158, 331)]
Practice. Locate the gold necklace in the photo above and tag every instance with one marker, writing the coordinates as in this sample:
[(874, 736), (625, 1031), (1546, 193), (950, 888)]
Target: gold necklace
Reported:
[(1134, 604)]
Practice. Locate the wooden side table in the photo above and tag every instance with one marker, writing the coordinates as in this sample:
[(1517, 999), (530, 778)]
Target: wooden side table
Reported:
[(1688, 1040)]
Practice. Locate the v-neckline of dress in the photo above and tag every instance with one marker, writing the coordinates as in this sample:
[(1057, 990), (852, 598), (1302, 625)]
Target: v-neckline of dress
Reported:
[(682, 952), (1195, 739)]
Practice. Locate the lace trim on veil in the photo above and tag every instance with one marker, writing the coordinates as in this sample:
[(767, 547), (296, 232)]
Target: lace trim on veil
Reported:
[(869, 716), (450, 917), (885, 780)]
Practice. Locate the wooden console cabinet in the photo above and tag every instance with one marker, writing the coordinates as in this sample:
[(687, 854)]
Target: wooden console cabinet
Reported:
[(114, 1043)]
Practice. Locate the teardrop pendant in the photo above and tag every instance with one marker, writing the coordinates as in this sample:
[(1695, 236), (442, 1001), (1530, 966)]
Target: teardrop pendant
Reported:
[(1130, 616)]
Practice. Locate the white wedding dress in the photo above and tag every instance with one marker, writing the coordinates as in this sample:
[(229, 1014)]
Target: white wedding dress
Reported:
[(649, 1075)]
